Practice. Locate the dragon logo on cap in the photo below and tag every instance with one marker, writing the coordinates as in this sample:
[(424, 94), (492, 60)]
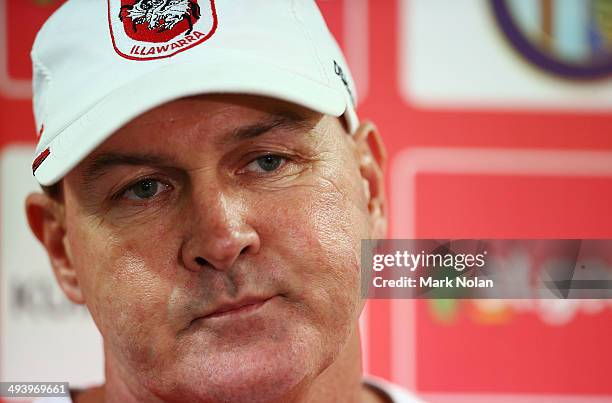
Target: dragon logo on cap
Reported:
[(161, 15), (152, 29)]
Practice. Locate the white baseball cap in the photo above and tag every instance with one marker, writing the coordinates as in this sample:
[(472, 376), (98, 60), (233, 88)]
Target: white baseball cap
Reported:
[(100, 63)]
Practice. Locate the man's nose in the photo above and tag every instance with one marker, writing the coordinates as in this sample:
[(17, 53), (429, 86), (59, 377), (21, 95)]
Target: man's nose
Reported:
[(220, 232)]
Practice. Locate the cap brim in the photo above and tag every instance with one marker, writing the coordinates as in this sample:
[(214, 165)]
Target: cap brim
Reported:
[(174, 81)]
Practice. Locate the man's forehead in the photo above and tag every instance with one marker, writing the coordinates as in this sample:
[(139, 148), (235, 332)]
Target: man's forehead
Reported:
[(229, 108), (212, 121), (127, 152), (137, 144)]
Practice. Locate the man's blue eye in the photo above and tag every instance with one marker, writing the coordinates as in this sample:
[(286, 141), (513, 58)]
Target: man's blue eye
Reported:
[(269, 163), (144, 189)]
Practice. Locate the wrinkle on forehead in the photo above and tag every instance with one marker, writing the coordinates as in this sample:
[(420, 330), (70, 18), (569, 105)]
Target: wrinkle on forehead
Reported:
[(223, 120), (202, 105)]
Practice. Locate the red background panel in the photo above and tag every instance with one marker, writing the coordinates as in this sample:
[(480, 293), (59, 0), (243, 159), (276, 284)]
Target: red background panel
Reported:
[(517, 351), (521, 355), (23, 19), (513, 206)]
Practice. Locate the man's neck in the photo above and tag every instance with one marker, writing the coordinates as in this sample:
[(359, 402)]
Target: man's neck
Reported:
[(341, 381)]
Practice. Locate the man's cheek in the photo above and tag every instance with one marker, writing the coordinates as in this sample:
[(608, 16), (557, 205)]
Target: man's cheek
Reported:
[(121, 291), (341, 220), (340, 228), (321, 228)]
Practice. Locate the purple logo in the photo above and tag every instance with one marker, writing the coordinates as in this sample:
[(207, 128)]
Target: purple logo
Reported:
[(568, 38)]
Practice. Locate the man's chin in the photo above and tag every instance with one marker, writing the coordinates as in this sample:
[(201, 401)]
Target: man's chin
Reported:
[(265, 373)]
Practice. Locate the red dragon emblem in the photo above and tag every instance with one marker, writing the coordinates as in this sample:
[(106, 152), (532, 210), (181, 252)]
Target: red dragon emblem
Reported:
[(152, 29)]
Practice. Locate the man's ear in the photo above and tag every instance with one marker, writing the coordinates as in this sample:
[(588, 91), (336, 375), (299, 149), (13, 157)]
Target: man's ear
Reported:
[(372, 159), (47, 221)]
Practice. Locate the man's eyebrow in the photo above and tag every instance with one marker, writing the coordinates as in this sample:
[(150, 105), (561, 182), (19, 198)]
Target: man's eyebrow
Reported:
[(286, 120), (101, 163)]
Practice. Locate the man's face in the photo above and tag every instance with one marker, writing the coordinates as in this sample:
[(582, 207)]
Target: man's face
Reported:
[(205, 204)]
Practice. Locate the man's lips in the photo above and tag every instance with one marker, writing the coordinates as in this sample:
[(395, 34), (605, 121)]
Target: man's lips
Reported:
[(236, 308)]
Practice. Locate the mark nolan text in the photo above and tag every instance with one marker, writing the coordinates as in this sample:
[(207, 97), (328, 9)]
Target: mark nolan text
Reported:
[(430, 282)]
